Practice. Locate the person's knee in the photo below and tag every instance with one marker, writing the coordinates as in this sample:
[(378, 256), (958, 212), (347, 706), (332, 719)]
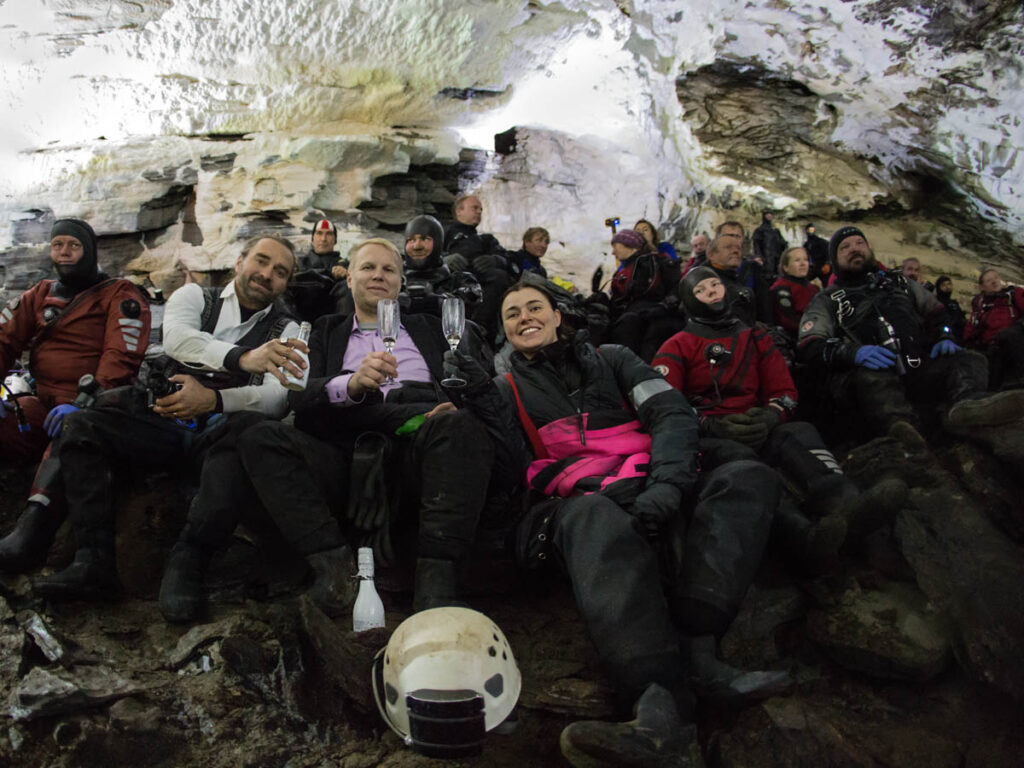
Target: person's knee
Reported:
[(80, 427), (593, 516), (263, 438), (743, 474), (462, 426)]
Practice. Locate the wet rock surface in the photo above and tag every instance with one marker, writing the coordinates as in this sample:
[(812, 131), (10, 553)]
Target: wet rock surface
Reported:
[(906, 657)]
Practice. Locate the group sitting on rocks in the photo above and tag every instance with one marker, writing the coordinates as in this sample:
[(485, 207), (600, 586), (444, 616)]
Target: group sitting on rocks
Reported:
[(652, 471)]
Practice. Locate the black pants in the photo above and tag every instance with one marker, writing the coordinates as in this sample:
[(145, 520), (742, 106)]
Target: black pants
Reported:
[(1006, 357), (712, 557), (302, 482), (878, 398), (617, 582), (798, 451), (97, 444)]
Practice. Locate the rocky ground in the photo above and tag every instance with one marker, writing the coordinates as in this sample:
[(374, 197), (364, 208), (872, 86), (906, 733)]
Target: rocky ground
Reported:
[(909, 657)]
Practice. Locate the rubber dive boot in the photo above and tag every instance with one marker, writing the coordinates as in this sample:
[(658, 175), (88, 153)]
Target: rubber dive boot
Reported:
[(181, 598), (815, 545), (657, 738), (436, 584), (988, 411), (334, 587), (25, 548), (864, 511), (92, 575), (716, 681)]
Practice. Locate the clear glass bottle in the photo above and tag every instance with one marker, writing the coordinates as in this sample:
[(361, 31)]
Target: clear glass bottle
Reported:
[(299, 384), (368, 612)]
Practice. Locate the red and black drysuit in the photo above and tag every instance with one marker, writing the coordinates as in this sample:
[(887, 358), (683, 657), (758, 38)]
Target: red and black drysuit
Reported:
[(725, 368), (580, 407), (996, 329), (790, 297), (102, 329)]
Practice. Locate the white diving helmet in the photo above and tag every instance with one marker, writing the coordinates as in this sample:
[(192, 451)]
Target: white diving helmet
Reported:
[(446, 677)]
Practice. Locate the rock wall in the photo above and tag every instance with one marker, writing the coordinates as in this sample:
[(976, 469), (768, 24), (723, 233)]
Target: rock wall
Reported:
[(222, 118)]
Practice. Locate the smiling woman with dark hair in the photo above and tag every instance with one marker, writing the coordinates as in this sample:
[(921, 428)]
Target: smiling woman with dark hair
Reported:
[(606, 451)]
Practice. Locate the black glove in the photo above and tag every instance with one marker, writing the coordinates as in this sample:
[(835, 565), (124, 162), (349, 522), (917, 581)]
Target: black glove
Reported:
[(457, 262), (368, 497), (767, 415), (467, 368), (655, 507), (596, 280), (739, 427), (485, 263)]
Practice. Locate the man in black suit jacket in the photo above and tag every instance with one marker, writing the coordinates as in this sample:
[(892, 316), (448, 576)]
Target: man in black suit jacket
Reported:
[(364, 404)]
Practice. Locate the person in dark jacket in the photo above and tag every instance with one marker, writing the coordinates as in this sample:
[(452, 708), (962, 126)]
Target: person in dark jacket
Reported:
[(323, 256), (610, 452), (881, 341), (382, 418), (469, 251), (698, 252), (428, 280), (318, 286), (768, 244), (642, 295), (744, 280), (650, 234), (817, 252), (741, 386), (528, 258), (955, 317)]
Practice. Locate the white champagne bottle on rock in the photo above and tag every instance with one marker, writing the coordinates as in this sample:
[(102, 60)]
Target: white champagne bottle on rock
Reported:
[(368, 612)]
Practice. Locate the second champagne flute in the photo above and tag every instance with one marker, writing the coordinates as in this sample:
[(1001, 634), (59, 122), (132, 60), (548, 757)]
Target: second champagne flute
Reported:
[(453, 323), (388, 319)]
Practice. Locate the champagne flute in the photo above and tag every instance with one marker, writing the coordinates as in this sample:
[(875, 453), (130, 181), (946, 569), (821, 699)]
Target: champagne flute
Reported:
[(453, 323), (387, 325)]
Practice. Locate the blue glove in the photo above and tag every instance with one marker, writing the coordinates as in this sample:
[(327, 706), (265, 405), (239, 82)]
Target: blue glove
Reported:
[(55, 419), (3, 410), (945, 347), (874, 358)]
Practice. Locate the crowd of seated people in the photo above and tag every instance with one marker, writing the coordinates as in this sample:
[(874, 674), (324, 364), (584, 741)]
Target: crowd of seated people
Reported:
[(653, 472)]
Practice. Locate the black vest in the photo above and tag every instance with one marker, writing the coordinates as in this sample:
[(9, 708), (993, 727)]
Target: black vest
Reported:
[(270, 326)]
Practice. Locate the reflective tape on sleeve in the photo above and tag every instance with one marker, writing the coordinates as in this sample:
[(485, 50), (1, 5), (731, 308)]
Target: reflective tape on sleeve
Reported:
[(645, 390)]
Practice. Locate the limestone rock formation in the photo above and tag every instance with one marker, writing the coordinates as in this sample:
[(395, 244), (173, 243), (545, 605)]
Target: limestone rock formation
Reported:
[(194, 124)]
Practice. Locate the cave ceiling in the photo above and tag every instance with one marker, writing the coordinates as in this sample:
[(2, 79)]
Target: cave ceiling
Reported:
[(830, 108)]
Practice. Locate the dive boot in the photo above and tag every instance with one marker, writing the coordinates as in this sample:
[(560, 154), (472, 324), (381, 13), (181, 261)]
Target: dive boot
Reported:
[(657, 738), (181, 600), (721, 683), (863, 511), (435, 584), (25, 548), (814, 545), (92, 575), (987, 411), (871, 509)]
